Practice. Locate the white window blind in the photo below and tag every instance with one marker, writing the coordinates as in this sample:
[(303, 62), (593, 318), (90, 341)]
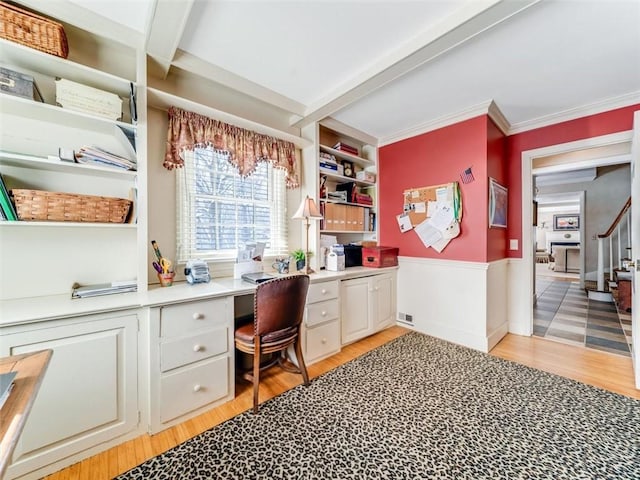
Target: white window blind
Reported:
[(218, 211)]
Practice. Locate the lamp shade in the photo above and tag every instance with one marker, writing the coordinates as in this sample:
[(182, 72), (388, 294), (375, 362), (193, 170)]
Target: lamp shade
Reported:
[(307, 209)]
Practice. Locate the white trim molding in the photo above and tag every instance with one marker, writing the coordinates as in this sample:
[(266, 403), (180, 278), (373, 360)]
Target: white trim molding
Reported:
[(461, 302), (601, 106)]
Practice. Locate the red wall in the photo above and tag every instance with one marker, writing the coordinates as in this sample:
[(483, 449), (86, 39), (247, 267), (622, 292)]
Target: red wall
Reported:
[(434, 158), (614, 121), (497, 240)]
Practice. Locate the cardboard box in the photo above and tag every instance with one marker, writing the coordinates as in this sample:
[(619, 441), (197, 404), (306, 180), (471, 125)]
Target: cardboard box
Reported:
[(19, 84), (379, 257), (365, 176), (83, 98)]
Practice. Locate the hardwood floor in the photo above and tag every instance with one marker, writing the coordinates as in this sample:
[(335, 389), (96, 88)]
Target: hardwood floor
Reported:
[(604, 370)]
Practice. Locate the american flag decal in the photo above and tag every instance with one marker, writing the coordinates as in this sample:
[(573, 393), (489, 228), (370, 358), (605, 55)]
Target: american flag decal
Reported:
[(467, 176)]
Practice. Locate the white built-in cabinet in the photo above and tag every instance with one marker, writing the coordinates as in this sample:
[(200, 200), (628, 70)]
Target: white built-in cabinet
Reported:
[(346, 220), (321, 326), (191, 359), (368, 305), (32, 133), (89, 394)]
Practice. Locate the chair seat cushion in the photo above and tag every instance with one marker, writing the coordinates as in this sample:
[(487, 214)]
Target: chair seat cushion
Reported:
[(245, 334)]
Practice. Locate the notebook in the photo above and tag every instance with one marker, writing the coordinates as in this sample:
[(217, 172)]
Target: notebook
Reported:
[(257, 277)]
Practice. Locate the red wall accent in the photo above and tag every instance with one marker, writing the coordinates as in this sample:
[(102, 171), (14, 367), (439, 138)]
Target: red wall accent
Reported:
[(429, 159), (496, 168), (613, 121)]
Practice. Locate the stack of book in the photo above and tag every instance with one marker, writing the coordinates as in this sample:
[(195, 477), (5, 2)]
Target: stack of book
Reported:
[(7, 209), (343, 147), (364, 199), (328, 164), (97, 156)]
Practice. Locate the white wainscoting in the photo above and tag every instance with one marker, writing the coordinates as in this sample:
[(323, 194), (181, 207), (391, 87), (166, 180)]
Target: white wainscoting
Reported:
[(462, 302), (520, 297)]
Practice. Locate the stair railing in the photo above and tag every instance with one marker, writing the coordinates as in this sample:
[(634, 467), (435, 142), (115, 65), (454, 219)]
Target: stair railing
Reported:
[(614, 229)]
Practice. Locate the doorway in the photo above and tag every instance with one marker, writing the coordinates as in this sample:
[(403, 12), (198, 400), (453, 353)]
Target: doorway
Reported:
[(564, 298)]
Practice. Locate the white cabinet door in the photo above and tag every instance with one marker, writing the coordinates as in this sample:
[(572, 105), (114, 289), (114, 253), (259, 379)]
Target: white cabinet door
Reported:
[(89, 392), (384, 301), (355, 312)]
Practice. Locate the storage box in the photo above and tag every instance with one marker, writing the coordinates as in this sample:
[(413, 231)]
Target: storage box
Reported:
[(32, 30), (83, 98), (365, 176), (379, 257), (353, 255), (18, 84)]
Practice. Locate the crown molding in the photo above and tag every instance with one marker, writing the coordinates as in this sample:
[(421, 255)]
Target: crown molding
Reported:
[(578, 112), (484, 108)]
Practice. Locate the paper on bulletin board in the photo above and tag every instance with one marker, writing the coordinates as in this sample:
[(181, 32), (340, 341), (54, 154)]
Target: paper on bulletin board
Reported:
[(435, 213), (422, 203)]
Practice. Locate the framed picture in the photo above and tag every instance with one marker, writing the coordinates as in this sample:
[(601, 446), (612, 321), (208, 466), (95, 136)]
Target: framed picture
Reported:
[(497, 205), (566, 222)]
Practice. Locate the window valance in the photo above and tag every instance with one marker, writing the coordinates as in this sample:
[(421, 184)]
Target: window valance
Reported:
[(245, 148)]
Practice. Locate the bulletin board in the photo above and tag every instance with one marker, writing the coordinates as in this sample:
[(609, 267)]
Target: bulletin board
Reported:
[(417, 201), (433, 213)]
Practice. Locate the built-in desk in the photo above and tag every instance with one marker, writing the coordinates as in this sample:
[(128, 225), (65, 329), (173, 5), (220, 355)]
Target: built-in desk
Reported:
[(30, 370)]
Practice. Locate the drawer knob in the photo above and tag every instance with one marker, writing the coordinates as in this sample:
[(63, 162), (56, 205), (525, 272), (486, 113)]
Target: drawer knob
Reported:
[(198, 316), (323, 313), (324, 291), (198, 348), (324, 340), (197, 387)]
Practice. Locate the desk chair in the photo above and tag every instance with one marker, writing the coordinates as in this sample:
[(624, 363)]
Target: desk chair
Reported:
[(278, 309)]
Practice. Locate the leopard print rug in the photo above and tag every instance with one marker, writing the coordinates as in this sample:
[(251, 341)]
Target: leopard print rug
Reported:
[(419, 408)]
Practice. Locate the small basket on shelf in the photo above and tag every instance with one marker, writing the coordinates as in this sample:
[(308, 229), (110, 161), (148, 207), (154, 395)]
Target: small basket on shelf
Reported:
[(32, 30), (39, 205)]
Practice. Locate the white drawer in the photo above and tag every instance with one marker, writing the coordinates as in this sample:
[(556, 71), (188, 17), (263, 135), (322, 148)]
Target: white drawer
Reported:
[(193, 348), (322, 291), (193, 387), (322, 312), (176, 320), (322, 341)]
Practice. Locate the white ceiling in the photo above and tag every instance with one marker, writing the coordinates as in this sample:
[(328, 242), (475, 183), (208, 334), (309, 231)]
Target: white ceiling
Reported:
[(394, 68)]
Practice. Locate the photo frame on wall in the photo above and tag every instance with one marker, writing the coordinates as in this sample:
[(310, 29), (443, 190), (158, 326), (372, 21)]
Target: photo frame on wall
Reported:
[(566, 222), (497, 204)]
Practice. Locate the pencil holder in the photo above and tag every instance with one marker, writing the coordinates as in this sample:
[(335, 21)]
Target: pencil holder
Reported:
[(166, 279)]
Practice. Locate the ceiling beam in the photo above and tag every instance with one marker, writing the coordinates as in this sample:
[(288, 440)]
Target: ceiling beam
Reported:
[(166, 27), (197, 66), (472, 19)]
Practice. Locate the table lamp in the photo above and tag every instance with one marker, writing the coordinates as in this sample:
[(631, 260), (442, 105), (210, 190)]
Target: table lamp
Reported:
[(307, 210)]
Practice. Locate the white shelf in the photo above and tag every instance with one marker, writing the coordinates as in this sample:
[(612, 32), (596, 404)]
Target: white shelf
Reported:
[(34, 224), (344, 179), (19, 56), (41, 163), (158, 98), (18, 106), (347, 231), (363, 162), (329, 200)]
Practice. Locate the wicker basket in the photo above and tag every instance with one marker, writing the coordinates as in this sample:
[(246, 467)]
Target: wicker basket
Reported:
[(27, 28), (69, 207)]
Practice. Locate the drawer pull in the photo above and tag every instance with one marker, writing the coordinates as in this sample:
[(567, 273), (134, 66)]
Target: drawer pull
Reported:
[(324, 313), (198, 348), (324, 291), (197, 387), (324, 340), (198, 316)]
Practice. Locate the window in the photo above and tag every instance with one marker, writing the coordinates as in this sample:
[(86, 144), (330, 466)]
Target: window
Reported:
[(219, 211)]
